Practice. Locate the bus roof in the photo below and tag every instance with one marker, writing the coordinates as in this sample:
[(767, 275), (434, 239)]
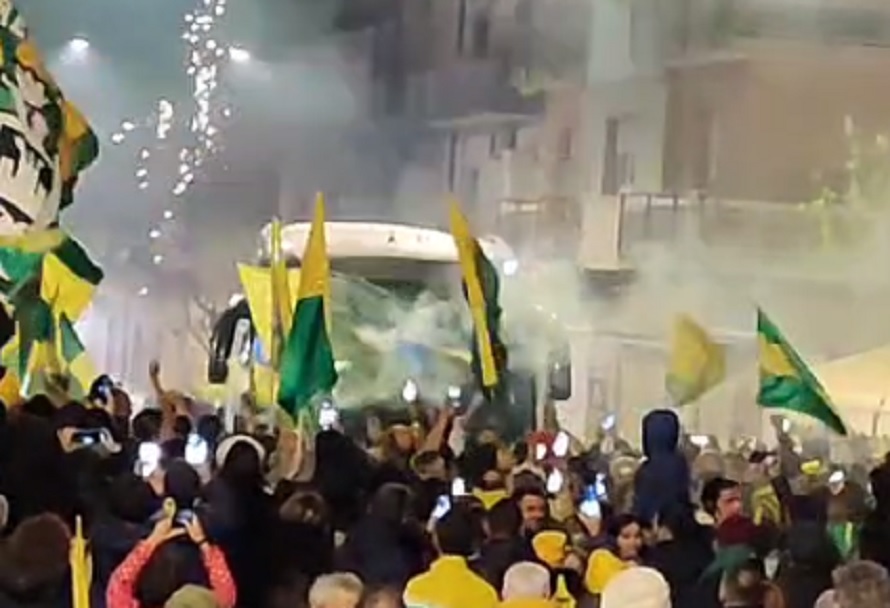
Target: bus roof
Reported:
[(381, 240)]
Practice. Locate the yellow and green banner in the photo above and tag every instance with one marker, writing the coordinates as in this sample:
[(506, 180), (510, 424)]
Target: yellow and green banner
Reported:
[(307, 361)]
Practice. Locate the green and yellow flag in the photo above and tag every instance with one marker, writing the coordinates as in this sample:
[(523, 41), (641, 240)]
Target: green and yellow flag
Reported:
[(68, 279), (697, 363), (307, 363), (786, 382), (74, 360), (51, 138), (481, 286)]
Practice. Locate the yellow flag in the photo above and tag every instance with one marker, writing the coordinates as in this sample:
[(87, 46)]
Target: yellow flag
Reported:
[(257, 285), (81, 568), (10, 388), (316, 268), (282, 306), (467, 249), (697, 363)]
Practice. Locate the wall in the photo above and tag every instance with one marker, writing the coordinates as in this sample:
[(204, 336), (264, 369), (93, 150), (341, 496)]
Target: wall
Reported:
[(779, 110)]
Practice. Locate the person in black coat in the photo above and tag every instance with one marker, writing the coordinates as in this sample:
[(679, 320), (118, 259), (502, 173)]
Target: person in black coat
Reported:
[(874, 543), (504, 546), (388, 546), (808, 559), (681, 554)]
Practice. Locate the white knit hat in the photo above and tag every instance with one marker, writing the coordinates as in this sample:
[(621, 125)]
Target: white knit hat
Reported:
[(637, 588), (526, 580), (226, 445)]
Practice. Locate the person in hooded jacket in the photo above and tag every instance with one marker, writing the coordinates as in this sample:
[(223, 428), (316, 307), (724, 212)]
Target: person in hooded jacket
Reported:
[(663, 479), (809, 558)]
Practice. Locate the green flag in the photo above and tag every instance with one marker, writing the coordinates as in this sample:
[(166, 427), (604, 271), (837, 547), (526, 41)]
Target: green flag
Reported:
[(785, 380), (307, 362)]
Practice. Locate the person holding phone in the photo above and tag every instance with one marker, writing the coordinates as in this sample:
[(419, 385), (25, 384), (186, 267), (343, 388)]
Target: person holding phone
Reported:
[(122, 589)]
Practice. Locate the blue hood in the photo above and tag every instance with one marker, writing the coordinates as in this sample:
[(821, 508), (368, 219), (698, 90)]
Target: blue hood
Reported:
[(661, 431), (662, 482)]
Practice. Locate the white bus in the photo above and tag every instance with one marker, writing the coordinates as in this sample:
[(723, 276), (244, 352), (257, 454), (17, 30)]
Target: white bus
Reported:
[(398, 309)]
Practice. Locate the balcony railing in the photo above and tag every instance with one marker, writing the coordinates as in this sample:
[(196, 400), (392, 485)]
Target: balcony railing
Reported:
[(717, 24), (743, 236), (467, 88)]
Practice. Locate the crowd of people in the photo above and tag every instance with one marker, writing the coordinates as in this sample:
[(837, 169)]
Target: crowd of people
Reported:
[(178, 513)]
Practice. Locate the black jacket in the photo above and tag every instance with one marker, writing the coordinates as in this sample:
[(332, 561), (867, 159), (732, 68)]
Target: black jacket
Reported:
[(497, 556), (681, 563)]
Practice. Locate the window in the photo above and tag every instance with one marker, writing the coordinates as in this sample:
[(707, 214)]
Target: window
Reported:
[(481, 35), (634, 33), (610, 169), (523, 13), (461, 25), (451, 161), (565, 144), (471, 188), (502, 140), (510, 139)]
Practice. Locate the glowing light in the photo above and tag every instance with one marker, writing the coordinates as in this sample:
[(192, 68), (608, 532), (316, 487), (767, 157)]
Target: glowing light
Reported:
[(157, 259), (143, 185), (168, 214), (142, 172), (118, 138), (143, 291), (179, 189), (144, 153), (79, 45), (239, 55), (511, 267), (127, 125), (154, 233)]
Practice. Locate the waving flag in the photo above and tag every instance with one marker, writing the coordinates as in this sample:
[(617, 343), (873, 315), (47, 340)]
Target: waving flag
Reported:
[(787, 383), (697, 363), (307, 363), (75, 362), (45, 143), (481, 288)]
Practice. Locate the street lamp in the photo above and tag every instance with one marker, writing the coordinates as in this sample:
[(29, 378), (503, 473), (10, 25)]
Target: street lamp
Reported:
[(79, 45), (239, 55)]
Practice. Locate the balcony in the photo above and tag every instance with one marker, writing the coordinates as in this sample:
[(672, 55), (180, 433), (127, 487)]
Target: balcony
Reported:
[(753, 238), (467, 92), (717, 26)]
